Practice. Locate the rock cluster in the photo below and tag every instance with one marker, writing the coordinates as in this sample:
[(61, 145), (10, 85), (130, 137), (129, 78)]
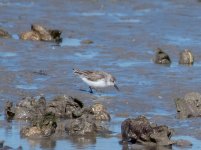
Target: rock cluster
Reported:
[(40, 33), (63, 116), (161, 57)]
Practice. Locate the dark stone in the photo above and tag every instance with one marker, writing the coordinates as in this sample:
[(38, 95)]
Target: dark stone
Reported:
[(161, 57), (1, 143), (9, 111), (139, 130), (56, 35)]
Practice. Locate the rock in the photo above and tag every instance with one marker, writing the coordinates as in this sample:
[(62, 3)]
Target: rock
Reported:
[(30, 35), (56, 35), (30, 108), (145, 147), (139, 130), (65, 107), (161, 57), (99, 112), (31, 132), (40, 33), (81, 126), (40, 72), (62, 117), (43, 126), (1, 143), (87, 42), (186, 57), (9, 110), (4, 34), (189, 106)]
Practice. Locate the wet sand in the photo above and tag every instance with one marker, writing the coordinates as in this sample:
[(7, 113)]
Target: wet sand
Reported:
[(125, 35)]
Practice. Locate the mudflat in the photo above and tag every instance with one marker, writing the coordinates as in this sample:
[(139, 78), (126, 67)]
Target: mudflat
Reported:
[(123, 38)]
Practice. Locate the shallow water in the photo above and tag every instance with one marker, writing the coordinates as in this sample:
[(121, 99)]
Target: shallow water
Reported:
[(125, 35), (70, 42)]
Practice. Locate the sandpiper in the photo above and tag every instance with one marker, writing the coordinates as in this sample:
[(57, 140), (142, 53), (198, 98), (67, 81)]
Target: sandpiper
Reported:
[(96, 79)]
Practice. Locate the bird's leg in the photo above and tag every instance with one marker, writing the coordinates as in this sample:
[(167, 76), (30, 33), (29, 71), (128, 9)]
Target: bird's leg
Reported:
[(90, 89)]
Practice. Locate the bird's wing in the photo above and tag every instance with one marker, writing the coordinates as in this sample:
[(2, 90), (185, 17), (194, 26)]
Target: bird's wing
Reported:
[(93, 76)]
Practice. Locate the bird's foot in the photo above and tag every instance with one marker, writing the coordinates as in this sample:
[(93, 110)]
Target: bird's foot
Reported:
[(90, 90)]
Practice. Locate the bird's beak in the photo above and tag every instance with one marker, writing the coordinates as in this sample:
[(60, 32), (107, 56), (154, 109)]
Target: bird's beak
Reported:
[(116, 87)]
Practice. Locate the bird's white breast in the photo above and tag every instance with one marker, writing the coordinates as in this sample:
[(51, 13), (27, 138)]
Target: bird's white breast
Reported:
[(99, 83)]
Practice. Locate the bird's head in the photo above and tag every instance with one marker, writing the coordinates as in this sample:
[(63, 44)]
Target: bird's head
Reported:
[(113, 83)]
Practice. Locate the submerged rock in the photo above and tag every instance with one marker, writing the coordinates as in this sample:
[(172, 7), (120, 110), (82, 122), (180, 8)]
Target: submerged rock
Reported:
[(161, 57), (31, 132), (189, 106), (139, 130), (87, 42), (63, 116), (183, 143), (40, 72), (40, 33), (186, 57), (4, 34)]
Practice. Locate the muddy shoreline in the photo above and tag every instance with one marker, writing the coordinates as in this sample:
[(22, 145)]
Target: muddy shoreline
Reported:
[(125, 35)]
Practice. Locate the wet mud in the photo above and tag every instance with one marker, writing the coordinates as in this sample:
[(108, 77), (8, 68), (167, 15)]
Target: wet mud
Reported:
[(119, 37)]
